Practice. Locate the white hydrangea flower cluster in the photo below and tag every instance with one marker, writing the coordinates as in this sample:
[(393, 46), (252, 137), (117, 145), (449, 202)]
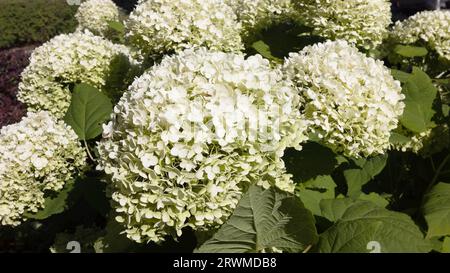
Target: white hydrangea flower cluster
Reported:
[(432, 27), (363, 23), (192, 134), (255, 15), (38, 154), (160, 26), (65, 60), (351, 101), (416, 142), (95, 15)]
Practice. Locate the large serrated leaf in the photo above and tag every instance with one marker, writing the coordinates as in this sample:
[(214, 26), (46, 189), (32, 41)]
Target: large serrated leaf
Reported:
[(358, 224), (313, 191), (54, 204), (436, 210), (264, 219), (89, 108), (420, 94)]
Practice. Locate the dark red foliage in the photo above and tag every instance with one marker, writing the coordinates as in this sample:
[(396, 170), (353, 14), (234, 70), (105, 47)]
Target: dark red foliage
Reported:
[(12, 63)]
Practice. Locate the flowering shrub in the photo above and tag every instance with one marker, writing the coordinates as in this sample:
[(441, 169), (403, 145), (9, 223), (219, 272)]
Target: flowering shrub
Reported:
[(231, 126), (429, 27), (160, 26), (178, 148), (38, 155), (63, 61), (256, 15), (363, 23), (95, 15), (352, 102)]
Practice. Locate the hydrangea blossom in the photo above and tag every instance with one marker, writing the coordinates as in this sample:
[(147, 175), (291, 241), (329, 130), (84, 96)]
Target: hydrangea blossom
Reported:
[(431, 27), (37, 155), (192, 134), (351, 101), (255, 15), (426, 143), (363, 23), (61, 62), (95, 15), (159, 26)]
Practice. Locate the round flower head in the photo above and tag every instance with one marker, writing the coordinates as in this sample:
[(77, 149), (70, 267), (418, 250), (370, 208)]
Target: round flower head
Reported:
[(363, 23), (37, 155), (431, 27), (160, 26), (255, 15), (95, 15), (191, 135), (62, 62), (351, 101)]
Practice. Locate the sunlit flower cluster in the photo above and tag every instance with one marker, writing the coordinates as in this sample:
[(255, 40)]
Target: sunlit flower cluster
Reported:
[(363, 23), (351, 101), (95, 15), (37, 155), (255, 15), (192, 134), (431, 27), (160, 26), (63, 61)]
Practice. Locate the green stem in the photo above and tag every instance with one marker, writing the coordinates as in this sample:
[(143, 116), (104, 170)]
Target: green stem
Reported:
[(438, 172), (88, 151)]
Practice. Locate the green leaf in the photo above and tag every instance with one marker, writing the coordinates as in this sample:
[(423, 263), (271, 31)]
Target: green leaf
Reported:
[(420, 94), (358, 223), (264, 219), (410, 51), (89, 108), (54, 204), (117, 26), (113, 241), (314, 190), (400, 75), (436, 210), (398, 139), (313, 160), (446, 245), (263, 49), (374, 198), (356, 178)]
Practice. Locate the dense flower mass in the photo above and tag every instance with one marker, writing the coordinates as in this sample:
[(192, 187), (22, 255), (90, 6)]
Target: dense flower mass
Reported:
[(431, 27), (255, 15), (363, 23), (62, 62), (351, 101), (37, 155), (95, 15), (160, 26), (192, 134)]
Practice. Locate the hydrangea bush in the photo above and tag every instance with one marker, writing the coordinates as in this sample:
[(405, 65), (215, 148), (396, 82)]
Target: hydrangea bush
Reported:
[(162, 26), (232, 126), (352, 102), (363, 23), (429, 27), (62, 62), (186, 140), (38, 155), (95, 16)]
